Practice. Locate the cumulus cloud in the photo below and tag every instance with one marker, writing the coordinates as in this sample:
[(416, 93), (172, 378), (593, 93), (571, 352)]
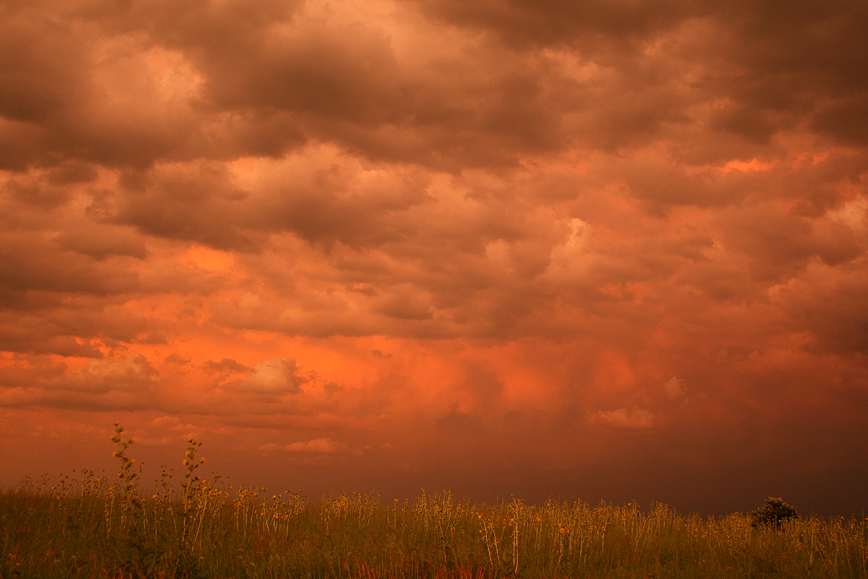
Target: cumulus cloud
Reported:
[(274, 376), (130, 374)]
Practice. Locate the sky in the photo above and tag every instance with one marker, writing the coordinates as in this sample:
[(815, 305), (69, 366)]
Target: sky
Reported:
[(604, 250)]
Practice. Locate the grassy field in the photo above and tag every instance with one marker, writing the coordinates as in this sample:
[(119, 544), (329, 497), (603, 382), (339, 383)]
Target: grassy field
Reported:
[(90, 526)]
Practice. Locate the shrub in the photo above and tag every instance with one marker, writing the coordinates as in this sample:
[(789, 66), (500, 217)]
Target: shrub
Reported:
[(773, 513)]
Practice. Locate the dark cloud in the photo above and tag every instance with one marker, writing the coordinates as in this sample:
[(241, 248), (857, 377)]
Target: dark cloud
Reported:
[(195, 203), (779, 244), (100, 384), (100, 241), (555, 22), (226, 365), (778, 65), (41, 64), (29, 263)]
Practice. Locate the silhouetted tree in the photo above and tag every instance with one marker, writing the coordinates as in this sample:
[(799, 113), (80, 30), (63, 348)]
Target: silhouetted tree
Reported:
[(773, 513)]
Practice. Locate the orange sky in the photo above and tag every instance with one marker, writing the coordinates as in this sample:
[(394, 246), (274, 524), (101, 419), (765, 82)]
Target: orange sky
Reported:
[(599, 250)]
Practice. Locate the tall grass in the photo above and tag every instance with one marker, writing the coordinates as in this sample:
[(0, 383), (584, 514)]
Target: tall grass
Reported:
[(90, 526)]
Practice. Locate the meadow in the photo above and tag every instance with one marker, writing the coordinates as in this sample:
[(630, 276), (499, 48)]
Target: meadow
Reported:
[(93, 526)]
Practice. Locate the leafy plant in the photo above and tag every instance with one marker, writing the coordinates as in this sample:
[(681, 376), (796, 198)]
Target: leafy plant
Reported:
[(127, 484)]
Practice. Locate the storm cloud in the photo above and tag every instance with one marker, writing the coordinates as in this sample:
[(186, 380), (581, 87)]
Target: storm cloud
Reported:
[(608, 243)]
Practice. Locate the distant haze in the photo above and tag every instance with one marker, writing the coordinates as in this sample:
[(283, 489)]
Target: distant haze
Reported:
[(596, 250)]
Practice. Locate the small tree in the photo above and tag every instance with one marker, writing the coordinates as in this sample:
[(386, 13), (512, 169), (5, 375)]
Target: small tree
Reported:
[(773, 513)]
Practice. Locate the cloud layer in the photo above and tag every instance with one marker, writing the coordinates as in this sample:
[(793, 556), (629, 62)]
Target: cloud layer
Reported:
[(406, 244)]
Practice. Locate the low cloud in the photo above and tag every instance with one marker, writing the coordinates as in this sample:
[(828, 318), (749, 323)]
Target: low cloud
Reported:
[(625, 419), (319, 446), (226, 365), (127, 383), (275, 376), (675, 389)]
